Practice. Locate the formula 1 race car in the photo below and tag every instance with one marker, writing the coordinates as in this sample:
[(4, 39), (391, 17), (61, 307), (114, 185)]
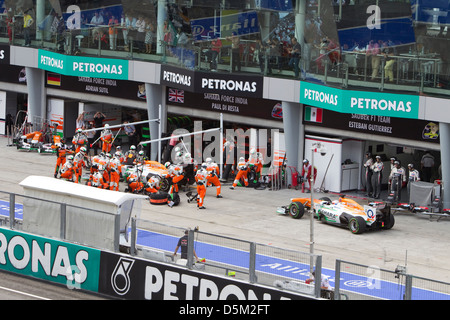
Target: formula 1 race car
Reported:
[(344, 212), (149, 169)]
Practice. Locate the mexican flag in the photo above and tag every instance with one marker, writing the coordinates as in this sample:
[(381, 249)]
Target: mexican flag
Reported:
[(313, 114)]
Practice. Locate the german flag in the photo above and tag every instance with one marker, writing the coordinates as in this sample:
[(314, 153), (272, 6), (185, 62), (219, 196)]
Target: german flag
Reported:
[(54, 79)]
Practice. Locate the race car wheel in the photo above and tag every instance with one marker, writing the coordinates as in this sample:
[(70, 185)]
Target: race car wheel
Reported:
[(357, 225), (164, 185), (296, 210), (389, 223)]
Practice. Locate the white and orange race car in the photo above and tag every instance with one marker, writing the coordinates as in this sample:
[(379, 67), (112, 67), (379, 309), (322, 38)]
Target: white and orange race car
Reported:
[(343, 212), (148, 170)]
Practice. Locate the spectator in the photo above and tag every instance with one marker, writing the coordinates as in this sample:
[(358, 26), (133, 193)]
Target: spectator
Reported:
[(101, 40), (149, 35), (213, 53), (27, 24), (235, 52), (128, 31), (373, 50), (388, 52), (295, 52), (140, 38), (275, 55), (113, 23), (96, 21)]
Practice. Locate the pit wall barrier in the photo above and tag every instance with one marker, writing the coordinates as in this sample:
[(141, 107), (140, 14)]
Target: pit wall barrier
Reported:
[(120, 267), (120, 275)]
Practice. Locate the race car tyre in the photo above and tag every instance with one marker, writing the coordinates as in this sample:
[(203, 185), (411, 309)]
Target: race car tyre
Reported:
[(389, 222), (164, 185), (173, 200), (158, 198), (357, 225), (296, 210)]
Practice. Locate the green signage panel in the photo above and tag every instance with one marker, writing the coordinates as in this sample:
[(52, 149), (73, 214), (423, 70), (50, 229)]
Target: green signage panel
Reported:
[(321, 96), (360, 102), (61, 262), (83, 66)]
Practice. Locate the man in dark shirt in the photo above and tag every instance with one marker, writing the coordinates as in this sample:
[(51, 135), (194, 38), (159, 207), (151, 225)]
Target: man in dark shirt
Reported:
[(296, 52), (183, 243), (98, 123)]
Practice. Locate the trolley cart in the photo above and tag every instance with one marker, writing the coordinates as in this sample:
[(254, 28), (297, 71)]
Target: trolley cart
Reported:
[(296, 178)]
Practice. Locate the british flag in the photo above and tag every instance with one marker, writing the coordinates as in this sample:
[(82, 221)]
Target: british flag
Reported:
[(176, 95)]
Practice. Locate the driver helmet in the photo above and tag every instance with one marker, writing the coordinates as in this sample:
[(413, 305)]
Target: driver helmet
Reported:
[(83, 150), (133, 147)]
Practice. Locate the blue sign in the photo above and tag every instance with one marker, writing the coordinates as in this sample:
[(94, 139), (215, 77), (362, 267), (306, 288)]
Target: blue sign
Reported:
[(242, 23)]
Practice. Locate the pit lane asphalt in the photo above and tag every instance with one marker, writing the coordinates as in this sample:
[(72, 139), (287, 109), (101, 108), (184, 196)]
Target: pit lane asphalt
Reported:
[(250, 214)]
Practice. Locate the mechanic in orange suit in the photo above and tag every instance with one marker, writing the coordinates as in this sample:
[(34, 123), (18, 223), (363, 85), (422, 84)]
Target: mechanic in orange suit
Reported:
[(213, 176), (67, 171), (80, 140), (96, 180), (152, 185), (243, 172), (107, 139), (78, 163), (256, 160), (114, 168), (61, 152), (134, 180), (200, 178), (177, 175)]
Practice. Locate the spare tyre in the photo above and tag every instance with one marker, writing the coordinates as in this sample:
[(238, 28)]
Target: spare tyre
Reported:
[(158, 198)]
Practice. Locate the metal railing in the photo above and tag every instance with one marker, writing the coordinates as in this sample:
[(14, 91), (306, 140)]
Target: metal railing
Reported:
[(362, 282), (65, 217), (245, 260), (226, 256)]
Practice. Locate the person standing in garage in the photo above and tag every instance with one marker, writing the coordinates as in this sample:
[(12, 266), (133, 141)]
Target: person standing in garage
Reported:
[(413, 176), (377, 169), (427, 164), (368, 174)]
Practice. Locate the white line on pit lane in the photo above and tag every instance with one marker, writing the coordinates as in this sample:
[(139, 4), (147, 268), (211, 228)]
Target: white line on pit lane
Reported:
[(23, 293)]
